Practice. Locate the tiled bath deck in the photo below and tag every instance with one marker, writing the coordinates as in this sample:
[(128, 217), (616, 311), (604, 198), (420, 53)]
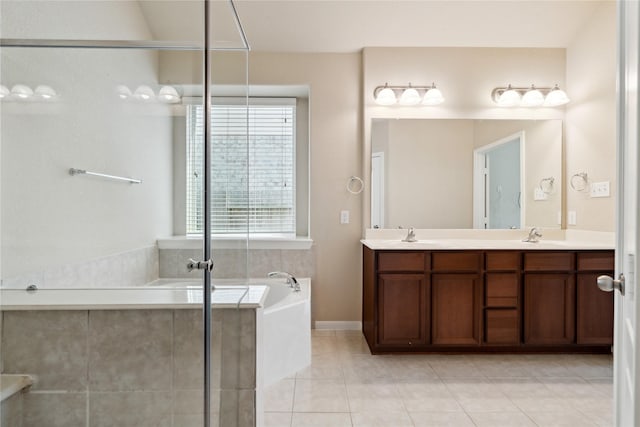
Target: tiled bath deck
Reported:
[(347, 386)]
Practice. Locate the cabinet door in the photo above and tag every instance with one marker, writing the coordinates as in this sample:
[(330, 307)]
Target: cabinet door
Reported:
[(594, 311), (403, 309), (456, 308), (549, 308)]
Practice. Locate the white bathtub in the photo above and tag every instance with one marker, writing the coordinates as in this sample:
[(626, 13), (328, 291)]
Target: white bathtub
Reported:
[(286, 325)]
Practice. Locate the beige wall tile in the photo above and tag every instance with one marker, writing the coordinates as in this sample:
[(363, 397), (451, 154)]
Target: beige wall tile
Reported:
[(55, 351), (130, 350), (55, 409), (139, 409)]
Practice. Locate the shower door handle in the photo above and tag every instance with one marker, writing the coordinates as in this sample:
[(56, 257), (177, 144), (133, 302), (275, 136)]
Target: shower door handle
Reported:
[(200, 265)]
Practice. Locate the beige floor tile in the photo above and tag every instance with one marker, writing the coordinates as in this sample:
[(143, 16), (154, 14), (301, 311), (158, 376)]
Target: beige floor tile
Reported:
[(599, 418), (465, 388), (323, 345), (427, 396), (279, 396), (501, 419), (568, 418), (320, 396), (540, 404), (603, 405), (323, 366), (349, 332), (604, 385), (441, 419), (374, 397), (408, 367), (487, 404), (352, 344), (323, 333), (570, 387), (521, 387), (364, 368), (277, 419), (381, 419), (310, 419)]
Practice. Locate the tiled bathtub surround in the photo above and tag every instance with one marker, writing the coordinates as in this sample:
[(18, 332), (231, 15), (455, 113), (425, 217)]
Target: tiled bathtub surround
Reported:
[(130, 268), (131, 367), (239, 263)]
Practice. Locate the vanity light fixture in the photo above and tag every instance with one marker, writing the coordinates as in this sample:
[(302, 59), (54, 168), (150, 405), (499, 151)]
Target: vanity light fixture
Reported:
[(21, 91), (408, 95), (168, 94), (45, 92), (144, 93), (532, 96), (123, 92)]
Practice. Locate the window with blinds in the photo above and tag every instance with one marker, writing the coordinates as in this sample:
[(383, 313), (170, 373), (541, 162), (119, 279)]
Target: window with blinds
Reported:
[(252, 168)]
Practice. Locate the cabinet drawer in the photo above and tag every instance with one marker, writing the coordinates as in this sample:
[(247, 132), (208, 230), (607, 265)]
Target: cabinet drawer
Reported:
[(501, 290), (548, 261), (595, 261), (401, 261), (456, 261), (501, 327), (496, 261)]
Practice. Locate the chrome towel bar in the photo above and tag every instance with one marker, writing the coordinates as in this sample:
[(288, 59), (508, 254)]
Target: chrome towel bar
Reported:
[(74, 171)]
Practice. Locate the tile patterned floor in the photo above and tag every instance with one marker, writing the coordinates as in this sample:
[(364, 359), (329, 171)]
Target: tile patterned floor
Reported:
[(347, 386)]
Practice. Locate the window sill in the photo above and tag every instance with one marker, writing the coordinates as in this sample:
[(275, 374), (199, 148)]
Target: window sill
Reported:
[(186, 242)]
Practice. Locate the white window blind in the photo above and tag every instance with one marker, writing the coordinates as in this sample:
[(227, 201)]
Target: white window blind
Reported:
[(253, 168)]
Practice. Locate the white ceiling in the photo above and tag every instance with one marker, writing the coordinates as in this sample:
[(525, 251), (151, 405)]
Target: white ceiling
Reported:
[(350, 25)]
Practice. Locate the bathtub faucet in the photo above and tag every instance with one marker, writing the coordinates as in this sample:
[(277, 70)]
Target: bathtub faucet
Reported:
[(293, 283)]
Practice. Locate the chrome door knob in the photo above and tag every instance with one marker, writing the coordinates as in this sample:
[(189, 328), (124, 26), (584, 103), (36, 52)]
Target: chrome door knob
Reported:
[(608, 284)]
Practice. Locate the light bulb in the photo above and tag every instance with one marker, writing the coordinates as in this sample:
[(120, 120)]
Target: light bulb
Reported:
[(45, 92), (123, 92), (410, 96), (168, 94), (21, 91), (532, 98), (144, 93), (386, 96), (556, 97), (433, 96), (4, 92), (509, 98)]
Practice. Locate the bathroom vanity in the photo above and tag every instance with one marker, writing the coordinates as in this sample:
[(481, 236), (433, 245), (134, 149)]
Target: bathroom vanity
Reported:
[(457, 296)]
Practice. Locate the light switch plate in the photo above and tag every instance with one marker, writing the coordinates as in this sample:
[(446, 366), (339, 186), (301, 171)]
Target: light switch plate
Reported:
[(538, 194), (600, 189), (344, 217), (571, 218)]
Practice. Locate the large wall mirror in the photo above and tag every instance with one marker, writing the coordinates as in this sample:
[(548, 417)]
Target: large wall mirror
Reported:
[(464, 173)]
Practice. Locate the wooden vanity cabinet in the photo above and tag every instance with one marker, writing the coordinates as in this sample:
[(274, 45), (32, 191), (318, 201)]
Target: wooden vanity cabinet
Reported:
[(456, 296), (466, 300), (502, 299), (594, 317)]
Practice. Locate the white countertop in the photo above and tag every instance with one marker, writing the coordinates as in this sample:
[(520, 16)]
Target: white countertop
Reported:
[(249, 297), (460, 239), (484, 244)]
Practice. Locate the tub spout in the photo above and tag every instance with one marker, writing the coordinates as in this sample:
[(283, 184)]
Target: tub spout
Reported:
[(293, 283)]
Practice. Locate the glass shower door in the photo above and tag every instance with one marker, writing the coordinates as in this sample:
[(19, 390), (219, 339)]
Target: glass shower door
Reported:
[(100, 314)]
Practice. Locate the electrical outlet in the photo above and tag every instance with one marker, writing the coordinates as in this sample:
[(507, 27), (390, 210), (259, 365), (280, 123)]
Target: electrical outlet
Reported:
[(600, 189), (571, 218), (344, 217), (559, 217)]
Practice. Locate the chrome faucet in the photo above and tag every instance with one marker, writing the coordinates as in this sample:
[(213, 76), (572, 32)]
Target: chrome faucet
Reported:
[(291, 281), (411, 236), (533, 236)]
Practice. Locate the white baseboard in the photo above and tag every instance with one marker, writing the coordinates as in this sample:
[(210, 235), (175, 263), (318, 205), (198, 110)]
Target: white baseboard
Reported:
[(340, 325)]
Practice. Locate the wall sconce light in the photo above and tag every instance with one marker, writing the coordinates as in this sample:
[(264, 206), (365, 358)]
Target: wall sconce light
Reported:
[(409, 95), (4, 92), (144, 93), (529, 96), (21, 91), (45, 92)]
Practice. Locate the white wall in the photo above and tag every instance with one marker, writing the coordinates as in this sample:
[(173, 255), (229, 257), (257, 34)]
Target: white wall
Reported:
[(591, 118), (49, 217)]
